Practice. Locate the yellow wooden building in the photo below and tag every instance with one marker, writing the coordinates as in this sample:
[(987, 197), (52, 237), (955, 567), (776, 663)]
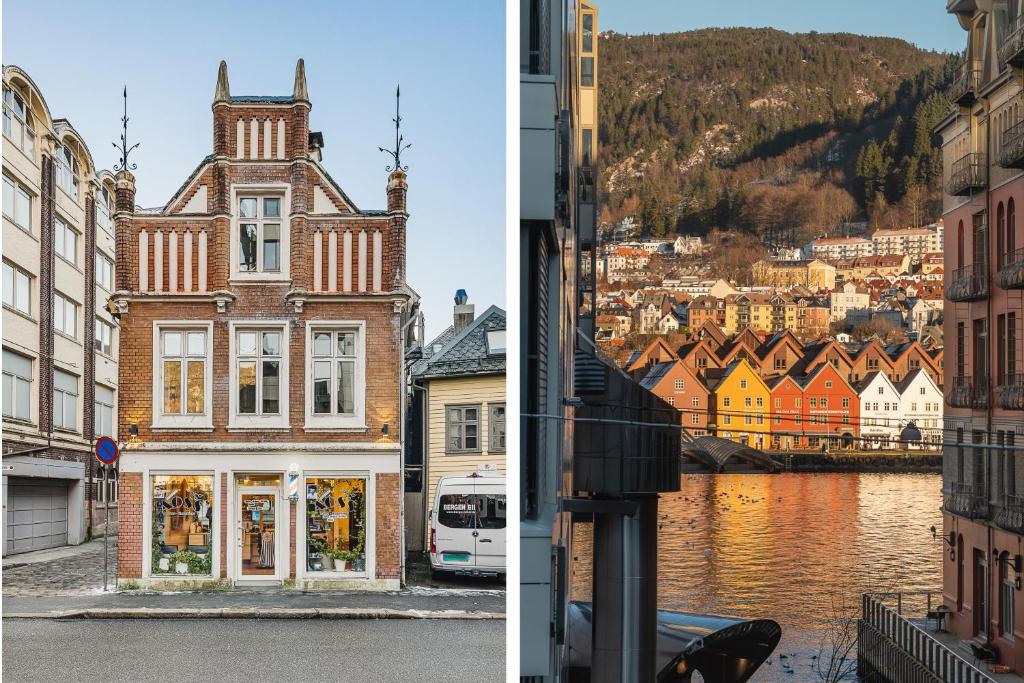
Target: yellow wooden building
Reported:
[(739, 405)]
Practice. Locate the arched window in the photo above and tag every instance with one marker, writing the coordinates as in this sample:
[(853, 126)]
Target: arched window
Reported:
[(1000, 236), (1011, 230), (960, 245)]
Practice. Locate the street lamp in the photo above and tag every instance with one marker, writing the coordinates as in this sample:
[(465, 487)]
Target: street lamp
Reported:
[(950, 541)]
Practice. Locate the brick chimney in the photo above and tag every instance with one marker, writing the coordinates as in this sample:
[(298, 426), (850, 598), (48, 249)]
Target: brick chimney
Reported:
[(464, 312), (124, 209)]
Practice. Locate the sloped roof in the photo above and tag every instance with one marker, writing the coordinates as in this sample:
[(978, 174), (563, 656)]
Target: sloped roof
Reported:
[(656, 374), (466, 353)]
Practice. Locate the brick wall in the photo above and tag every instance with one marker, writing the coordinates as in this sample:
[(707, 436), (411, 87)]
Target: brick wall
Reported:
[(129, 537), (388, 527)]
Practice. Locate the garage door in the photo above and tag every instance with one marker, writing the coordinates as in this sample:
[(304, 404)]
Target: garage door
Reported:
[(37, 514)]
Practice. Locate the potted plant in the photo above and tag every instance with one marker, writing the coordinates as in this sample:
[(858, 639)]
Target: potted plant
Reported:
[(164, 563), (343, 558), (180, 560), (326, 556)]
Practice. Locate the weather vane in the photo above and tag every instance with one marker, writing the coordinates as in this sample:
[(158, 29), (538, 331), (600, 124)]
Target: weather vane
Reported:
[(399, 147), (124, 148)]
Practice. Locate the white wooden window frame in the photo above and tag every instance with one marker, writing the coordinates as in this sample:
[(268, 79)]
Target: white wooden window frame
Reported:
[(239, 421), (203, 421), (369, 542), (61, 230), (66, 301), (99, 327), (324, 422), (19, 277), (19, 208), (261, 191), (104, 264)]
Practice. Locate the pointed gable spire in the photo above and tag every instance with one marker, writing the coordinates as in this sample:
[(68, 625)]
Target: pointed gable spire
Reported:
[(223, 93), (299, 92)]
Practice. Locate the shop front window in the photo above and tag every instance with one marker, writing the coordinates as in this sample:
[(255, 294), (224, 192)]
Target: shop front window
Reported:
[(182, 524), (335, 524)]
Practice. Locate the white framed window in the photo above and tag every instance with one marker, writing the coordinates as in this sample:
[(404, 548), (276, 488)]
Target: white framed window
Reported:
[(68, 173), (694, 418), (678, 385), (747, 403), (65, 400), (17, 386), (19, 127), (17, 205), (695, 402), (182, 382), (671, 400), (17, 288), (106, 493), (335, 375), (65, 315), (65, 241), (260, 225), (104, 336), (726, 402), (104, 206), (104, 408), (743, 384), (259, 361), (104, 271)]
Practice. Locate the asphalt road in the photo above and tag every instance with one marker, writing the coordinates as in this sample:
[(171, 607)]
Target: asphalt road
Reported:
[(253, 650)]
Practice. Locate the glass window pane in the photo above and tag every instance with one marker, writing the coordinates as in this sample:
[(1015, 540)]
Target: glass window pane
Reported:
[(456, 511), (22, 392), (172, 386), (247, 343), (247, 208), (271, 207), (70, 411), (490, 510), (24, 202), (346, 387), (272, 343), (247, 246), (196, 343), (8, 197), (587, 72), (322, 386), (247, 386), (346, 343), (322, 344), (271, 256), (271, 385), (182, 510), (588, 32), (8, 285), (8, 394), (196, 388), (172, 343), (471, 414)]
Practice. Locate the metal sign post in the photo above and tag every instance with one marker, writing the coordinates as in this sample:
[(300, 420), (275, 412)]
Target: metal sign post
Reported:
[(107, 452)]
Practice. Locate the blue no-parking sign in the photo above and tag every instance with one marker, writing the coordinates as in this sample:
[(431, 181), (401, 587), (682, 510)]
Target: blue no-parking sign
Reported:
[(106, 450)]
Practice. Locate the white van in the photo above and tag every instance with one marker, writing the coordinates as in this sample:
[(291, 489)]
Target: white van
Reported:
[(467, 525)]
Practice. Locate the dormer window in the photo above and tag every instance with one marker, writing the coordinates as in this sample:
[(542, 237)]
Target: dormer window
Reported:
[(259, 249), (18, 125), (67, 171)]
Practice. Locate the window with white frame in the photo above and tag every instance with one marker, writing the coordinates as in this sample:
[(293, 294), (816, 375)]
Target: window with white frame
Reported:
[(17, 386), (496, 427), (104, 271), (259, 234), (104, 407), (17, 288), (65, 241), (258, 371), (183, 371), (17, 205), (678, 385), (335, 364), (462, 429), (671, 400), (65, 400), (65, 315), (19, 127), (695, 402), (104, 336), (104, 206), (106, 492), (68, 173)]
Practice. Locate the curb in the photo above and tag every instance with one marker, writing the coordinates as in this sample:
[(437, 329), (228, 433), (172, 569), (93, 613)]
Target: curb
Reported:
[(331, 613)]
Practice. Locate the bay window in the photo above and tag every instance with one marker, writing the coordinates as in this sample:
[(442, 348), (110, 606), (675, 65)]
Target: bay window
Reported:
[(335, 370)]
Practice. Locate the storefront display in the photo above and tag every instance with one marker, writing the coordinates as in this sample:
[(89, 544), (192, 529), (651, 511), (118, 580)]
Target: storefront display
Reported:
[(335, 524), (182, 524)]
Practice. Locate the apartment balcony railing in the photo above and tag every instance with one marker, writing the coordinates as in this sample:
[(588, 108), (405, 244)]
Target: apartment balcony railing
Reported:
[(1011, 270), (1011, 50), (964, 89), (966, 500), (1010, 392), (967, 393), (1011, 151), (1011, 514), (967, 175), (968, 283)]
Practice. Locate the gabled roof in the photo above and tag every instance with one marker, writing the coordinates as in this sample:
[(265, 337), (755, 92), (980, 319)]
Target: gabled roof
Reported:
[(656, 374), (646, 353), (869, 378), (466, 353), (784, 337), (907, 381), (818, 350)]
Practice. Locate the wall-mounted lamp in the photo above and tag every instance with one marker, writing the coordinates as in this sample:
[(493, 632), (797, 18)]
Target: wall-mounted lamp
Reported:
[(1014, 561), (385, 429), (133, 433), (948, 540)]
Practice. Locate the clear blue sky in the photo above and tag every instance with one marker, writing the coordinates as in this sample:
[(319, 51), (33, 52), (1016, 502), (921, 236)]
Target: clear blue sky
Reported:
[(922, 22), (451, 66)]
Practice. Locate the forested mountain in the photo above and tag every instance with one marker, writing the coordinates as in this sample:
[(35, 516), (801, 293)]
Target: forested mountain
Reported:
[(762, 131)]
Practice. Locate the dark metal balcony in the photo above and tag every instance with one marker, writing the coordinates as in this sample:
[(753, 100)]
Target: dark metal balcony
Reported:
[(967, 175), (969, 283), (966, 500), (964, 89), (1011, 50), (1011, 151), (1011, 270), (1011, 515), (967, 393), (1010, 392)]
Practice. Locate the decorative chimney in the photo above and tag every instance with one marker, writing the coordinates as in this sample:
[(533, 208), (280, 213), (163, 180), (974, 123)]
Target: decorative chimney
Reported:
[(299, 92), (464, 312), (223, 92)]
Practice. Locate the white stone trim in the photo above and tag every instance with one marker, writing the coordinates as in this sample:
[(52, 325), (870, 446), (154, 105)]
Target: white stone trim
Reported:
[(318, 260), (332, 261), (378, 260), (187, 261), (346, 278), (362, 260), (266, 138), (280, 138), (240, 138), (143, 261)]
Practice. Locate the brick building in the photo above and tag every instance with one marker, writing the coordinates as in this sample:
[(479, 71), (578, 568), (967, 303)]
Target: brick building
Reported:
[(60, 343), (267, 318)]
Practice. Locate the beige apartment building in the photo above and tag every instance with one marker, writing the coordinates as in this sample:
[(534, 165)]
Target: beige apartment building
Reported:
[(914, 242), (813, 274), (60, 341)]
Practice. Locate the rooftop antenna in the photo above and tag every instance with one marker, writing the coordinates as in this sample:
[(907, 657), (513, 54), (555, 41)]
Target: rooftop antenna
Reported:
[(124, 149), (399, 140)]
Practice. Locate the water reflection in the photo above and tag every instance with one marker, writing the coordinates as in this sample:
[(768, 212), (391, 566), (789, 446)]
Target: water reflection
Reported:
[(796, 548)]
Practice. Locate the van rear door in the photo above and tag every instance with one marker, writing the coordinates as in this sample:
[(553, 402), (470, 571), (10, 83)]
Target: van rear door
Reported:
[(490, 540), (455, 525)]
